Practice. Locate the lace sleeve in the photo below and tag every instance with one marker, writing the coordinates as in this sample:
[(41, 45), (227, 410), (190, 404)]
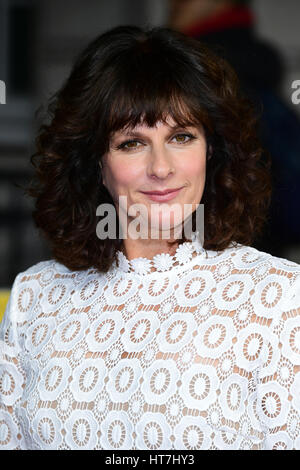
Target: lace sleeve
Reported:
[(278, 401), (11, 377)]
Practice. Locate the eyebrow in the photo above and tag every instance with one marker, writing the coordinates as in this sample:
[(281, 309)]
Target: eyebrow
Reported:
[(132, 133)]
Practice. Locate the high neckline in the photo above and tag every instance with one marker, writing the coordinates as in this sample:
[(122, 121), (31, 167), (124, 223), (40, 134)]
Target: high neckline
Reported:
[(162, 262)]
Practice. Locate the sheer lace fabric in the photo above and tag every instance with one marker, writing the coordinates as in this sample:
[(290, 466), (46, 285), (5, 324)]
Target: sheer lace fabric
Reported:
[(196, 351)]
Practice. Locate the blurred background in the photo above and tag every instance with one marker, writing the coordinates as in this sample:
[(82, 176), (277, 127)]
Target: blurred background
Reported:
[(39, 41)]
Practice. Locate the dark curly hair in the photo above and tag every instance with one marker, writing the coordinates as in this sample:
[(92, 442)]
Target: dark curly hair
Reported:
[(127, 76)]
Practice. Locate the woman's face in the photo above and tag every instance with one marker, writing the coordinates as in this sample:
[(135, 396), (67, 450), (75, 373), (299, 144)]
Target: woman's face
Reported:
[(156, 158)]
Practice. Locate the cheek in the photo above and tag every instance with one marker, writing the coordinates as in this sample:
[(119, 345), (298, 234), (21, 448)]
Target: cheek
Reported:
[(195, 167), (121, 176)]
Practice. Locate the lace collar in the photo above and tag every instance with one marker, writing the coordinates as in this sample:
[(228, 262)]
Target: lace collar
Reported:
[(162, 262)]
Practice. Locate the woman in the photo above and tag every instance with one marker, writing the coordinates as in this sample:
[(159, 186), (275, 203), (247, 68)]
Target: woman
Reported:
[(156, 342)]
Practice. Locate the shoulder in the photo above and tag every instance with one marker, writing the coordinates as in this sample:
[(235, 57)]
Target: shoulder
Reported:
[(36, 276), (42, 267), (266, 265), (275, 298), (276, 273), (248, 257), (45, 287), (270, 283)]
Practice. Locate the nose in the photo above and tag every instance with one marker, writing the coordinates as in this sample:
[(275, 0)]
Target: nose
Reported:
[(160, 162)]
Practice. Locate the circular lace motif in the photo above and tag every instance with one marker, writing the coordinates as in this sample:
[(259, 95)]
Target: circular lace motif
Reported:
[(153, 432), (273, 404), (285, 373), (233, 395), (176, 332), (223, 270), (242, 316), (214, 336), (26, 300), (123, 380), (78, 353), (174, 411), (160, 381), (233, 291), (249, 257), (88, 291), (104, 331), (47, 429), (116, 431), (38, 334), (199, 386), (70, 332), (226, 365), (293, 424), (136, 406), (166, 309), (186, 357), (291, 345), (194, 288), (81, 429), (214, 416), (64, 405), (88, 380), (54, 378), (120, 290), (101, 405), (255, 347), (192, 433), (139, 331), (279, 441), (46, 276), (262, 270), (96, 308), (10, 383), (64, 310), (8, 429), (56, 294), (228, 439), (268, 295), (156, 289), (149, 353), (130, 309), (203, 310), (114, 354)]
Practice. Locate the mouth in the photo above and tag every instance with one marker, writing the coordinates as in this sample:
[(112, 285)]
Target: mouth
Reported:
[(162, 195)]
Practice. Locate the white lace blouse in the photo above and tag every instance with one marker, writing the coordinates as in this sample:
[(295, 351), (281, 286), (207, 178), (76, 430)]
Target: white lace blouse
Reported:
[(196, 351)]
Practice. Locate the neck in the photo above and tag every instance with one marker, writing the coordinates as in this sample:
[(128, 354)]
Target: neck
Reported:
[(148, 248)]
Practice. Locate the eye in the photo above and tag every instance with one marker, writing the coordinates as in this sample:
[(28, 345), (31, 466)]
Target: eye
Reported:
[(128, 145), (182, 136), (131, 145)]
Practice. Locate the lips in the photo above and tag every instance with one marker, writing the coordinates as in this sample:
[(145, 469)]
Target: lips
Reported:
[(160, 196), (161, 193)]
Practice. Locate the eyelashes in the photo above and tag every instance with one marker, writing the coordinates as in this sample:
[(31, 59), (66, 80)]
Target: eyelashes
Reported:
[(123, 145)]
